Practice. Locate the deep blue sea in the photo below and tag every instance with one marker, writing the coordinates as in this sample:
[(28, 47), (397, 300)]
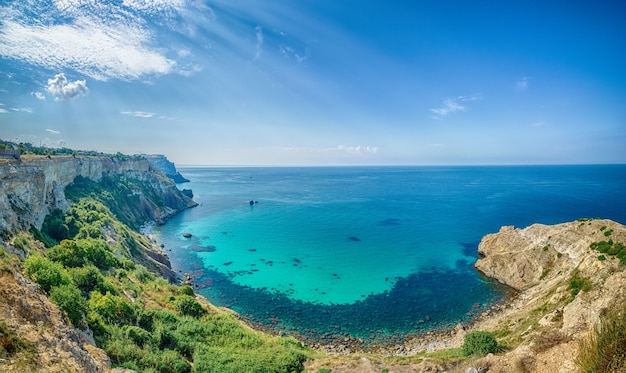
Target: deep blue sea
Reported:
[(377, 253)]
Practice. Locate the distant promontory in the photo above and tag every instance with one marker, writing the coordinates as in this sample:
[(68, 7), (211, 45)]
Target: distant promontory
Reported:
[(166, 166)]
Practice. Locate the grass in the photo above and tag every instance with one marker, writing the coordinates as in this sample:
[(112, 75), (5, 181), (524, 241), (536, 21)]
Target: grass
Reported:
[(604, 349)]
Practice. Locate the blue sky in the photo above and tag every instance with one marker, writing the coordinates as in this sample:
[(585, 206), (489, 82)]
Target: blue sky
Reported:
[(319, 82)]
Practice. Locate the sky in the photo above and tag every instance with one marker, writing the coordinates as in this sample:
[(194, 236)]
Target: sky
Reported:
[(318, 82)]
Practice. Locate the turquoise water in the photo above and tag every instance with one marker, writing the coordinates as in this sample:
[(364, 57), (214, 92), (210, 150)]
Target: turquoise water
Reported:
[(377, 253)]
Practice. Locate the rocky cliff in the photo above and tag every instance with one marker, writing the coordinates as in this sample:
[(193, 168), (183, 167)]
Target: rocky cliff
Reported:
[(166, 166), (33, 186), (566, 288)]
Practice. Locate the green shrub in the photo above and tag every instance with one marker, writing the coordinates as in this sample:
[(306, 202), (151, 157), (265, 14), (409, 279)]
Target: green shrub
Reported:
[(166, 361), (70, 300), (138, 335), (143, 274), (89, 279), (188, 306), (113, 309), (45, 272), (479, 343), (187, 290), (54, 225), (578, 283), (21, 243), (80, 252)]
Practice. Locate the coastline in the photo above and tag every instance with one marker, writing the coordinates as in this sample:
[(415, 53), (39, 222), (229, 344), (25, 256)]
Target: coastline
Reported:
[(420, 342)]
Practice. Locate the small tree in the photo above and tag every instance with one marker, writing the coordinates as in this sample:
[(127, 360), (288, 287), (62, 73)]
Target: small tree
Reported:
[(188, 306), (70, 300), (480, 343), (45, 272)]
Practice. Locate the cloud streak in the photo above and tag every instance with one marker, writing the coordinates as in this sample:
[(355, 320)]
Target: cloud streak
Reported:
[(63, 90), (138, 114), (358, 149), (452, 105), (101, 40), (259, 42)]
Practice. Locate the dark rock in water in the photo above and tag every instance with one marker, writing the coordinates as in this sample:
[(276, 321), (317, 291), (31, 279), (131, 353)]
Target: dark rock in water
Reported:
[(187, 235), (187, 192), (206, 249), (391, 221), (252, 250), (251, 202), (296, 260), (227, 263), (355, 239)]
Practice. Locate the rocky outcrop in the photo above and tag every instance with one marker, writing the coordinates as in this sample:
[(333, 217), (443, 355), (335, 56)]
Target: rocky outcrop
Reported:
[(525, 258), (58, 347), (546, 321), (33, 186), (166, 166)]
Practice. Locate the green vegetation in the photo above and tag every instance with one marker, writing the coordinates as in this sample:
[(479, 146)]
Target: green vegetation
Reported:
[(576, 284), (480, 343), (609, 247), (604, 350), (140, 320), (118, 194)]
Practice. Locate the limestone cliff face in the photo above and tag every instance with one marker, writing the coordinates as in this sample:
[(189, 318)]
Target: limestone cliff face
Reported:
[(540, 261), (33, 186), (523, 258)]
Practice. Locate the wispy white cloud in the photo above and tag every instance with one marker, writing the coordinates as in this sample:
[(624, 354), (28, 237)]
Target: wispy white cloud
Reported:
[(259, 42), (39, 95), (358, 149), (53, 132), (138, 114), (521, 84), (538, 123), (22, 109), (62, 89), (103, 40), (451, 105), (292, 53), (3, 110)]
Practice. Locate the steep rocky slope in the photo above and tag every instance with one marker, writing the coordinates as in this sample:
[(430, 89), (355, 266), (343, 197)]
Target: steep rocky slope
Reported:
[(56, 345), (33, 186), (549, 264)]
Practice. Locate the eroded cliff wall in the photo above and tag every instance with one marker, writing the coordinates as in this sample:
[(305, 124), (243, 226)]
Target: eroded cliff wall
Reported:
[(33, 186)]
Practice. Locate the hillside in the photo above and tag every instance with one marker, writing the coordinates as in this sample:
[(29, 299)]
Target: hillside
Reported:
[(82, 290)]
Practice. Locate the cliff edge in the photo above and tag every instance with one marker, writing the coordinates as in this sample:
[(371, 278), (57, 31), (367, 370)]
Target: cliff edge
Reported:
[(34, 185), (566, 285)]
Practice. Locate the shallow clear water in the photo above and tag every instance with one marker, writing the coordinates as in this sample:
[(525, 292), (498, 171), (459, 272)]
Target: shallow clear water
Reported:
[(371, 252)]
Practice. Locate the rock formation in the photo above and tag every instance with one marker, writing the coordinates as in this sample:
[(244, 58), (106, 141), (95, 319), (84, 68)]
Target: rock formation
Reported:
[(547, 316), (166, 166), (34, 185)]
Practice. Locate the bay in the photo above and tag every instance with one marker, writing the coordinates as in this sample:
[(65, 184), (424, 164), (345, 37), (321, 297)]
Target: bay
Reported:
[(367, 252)]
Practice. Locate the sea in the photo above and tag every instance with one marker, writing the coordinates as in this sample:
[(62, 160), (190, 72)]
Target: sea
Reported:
[(374, 254)]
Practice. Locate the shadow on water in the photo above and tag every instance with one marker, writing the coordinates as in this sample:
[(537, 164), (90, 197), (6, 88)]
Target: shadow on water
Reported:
[(470, 248), (419, 303)]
